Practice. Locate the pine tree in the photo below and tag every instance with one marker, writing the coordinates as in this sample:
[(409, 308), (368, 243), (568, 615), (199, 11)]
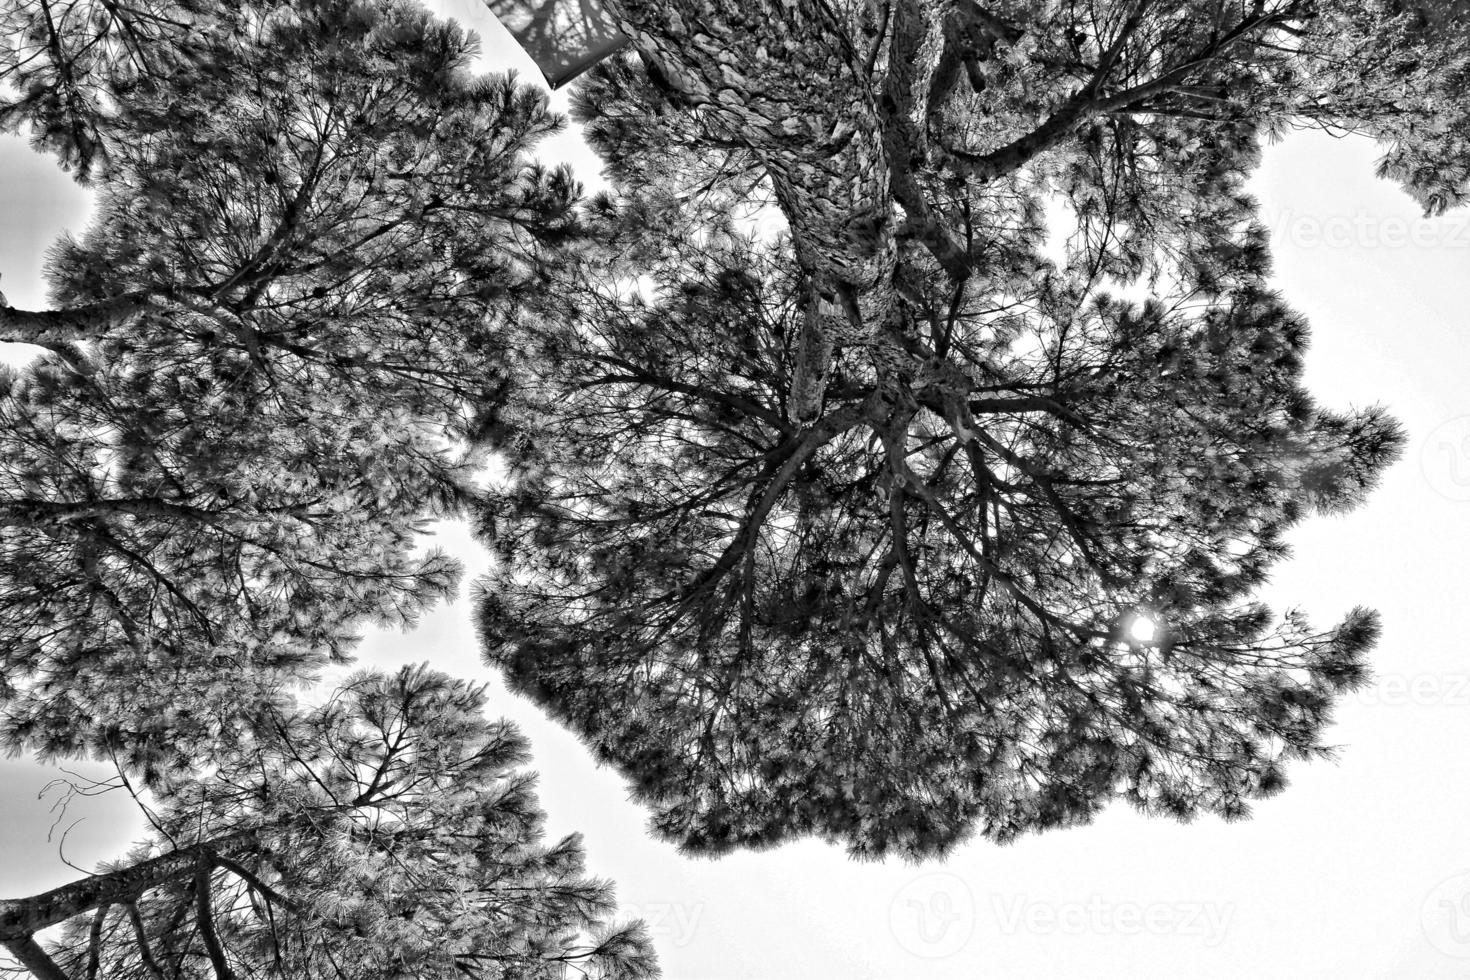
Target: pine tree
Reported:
[(899, 527), (68, 68), (267, 365), (390, 832), (270, 354), (884, 124), (165, 530), (1399, 71)]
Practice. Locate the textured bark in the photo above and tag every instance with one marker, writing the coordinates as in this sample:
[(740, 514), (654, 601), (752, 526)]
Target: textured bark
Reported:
[(845, 135), (788, 80), (24, 917), (48, 328), (915, 58), (204, 917), (34, 958), (1017, 483), (813, 360)]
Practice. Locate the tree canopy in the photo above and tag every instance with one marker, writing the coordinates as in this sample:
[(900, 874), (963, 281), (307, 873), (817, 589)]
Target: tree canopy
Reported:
[(269, 355), (390, 832), (939, 511), (263, 375), (943, 511)]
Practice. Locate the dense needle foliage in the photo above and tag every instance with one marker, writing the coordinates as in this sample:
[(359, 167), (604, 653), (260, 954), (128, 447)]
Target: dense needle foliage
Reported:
[(390, 832), (943, 510), (268, 353), (262, 377), (915, 614)]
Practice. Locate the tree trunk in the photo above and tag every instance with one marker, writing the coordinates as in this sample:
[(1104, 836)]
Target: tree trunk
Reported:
[(786, 79)]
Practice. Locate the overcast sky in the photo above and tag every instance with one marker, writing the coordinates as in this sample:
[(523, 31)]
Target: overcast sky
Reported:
[(1360, 869)]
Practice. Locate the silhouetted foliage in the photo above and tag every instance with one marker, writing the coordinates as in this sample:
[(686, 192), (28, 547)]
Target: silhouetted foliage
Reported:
[(846, 532), (390, 832), (269, 357)]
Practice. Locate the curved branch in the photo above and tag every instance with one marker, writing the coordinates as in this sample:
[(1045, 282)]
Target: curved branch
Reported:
[(1086, 104)]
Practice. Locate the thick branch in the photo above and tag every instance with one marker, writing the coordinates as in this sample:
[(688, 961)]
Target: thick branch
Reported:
[(145, 948), (53, 328), (787, 78), (31, 512), (34, 958), (23, 917), (1087, 103), (798, 450), (94, 942), (204, 916), (912, 64)]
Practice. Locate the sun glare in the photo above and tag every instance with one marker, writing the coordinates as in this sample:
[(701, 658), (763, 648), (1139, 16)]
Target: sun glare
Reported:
[(1142, 629)]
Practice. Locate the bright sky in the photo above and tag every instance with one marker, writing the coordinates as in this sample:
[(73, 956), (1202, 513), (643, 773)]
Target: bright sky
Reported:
[(1361, 869)]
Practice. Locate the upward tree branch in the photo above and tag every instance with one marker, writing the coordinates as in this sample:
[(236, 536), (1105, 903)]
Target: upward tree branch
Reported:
[(1086, 103), (23, 917), (204, 917)]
